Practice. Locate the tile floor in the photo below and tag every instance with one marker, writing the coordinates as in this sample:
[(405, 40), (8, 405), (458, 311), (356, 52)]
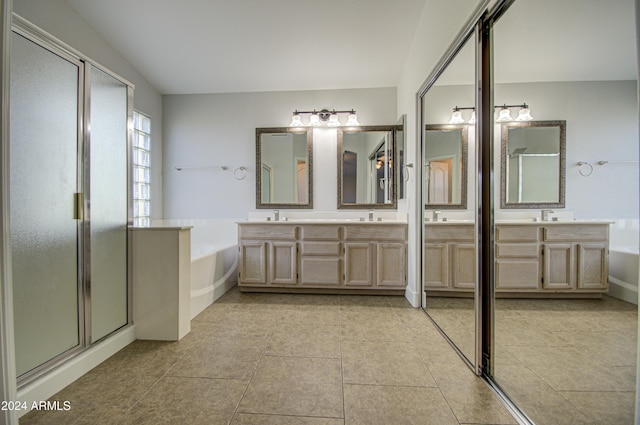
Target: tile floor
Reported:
[(562, 361), (287, 360)]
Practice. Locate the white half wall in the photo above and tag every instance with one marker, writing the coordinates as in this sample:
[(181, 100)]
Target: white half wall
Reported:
[(219, 130)]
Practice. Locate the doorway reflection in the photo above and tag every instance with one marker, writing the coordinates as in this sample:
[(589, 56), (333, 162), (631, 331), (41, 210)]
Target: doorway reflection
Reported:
[(449, 253), (561, 358)]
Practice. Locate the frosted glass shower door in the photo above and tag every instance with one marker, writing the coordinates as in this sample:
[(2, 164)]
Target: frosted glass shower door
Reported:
[(43, 181), (108, 211)]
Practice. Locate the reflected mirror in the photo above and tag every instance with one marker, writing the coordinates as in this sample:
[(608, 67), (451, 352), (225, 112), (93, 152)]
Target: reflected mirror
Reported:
[(367, 167), (284, 168), (533, 164), (445, 150)]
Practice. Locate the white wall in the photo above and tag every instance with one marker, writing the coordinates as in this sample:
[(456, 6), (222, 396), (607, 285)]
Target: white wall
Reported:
[(60, 20), (219, 129)]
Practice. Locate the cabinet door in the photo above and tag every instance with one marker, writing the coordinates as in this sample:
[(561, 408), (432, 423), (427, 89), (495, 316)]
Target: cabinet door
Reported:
[(320, 271), (282, 263), (357, 264), (592, 266), (558, 266), (436, 268), (464, 266), (390, 265), (253, 263)]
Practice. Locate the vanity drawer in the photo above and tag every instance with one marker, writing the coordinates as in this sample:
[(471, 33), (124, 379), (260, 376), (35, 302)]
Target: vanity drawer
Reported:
[(527, 233), (319, 233), (517, 250), (437, 232), (321, 248), (576, 233), (376, 232), (267, 231)]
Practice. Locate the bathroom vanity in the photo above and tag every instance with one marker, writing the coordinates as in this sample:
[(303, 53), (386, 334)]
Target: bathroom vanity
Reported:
[(548, 259), (331, 256)]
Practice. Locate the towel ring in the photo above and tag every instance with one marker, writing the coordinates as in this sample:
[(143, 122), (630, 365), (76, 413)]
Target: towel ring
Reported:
[(585, 168), (240, 173)]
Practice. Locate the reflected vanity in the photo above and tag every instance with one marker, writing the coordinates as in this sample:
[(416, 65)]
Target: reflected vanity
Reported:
[(533, 164), (367, 170), (284, 161)]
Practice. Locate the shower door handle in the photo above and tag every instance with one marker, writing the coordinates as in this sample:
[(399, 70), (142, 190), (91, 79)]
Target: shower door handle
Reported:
[(78, 207)]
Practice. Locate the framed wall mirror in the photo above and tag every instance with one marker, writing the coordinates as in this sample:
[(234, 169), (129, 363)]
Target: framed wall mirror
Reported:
[(284, 168), (367, 167), (533, 164), (445, 160)]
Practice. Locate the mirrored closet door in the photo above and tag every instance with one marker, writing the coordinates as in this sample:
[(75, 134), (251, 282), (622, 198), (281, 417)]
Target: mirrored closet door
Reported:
[(449, 234)]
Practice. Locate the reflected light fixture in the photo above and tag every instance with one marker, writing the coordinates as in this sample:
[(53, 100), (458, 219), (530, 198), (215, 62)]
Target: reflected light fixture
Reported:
[(456, 115), (327, 117), (505, 114), (524, 114)]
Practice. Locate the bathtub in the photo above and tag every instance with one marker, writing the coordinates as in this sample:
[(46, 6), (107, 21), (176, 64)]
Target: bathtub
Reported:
[(624, 266), (214, 259)]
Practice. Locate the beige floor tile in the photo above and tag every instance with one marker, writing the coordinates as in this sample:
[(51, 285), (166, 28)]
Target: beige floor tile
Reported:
[(585, 378), (295, 386), (604, 408), (380, 363), (536, 398), (304, 346), (175, 400), (253, 419), (151, 358), (222, 357), (471, 400), (385, 405), (81, 413)]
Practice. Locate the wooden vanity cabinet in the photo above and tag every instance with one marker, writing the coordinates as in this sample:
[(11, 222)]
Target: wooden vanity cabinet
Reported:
[(268, 259), (340, 258)]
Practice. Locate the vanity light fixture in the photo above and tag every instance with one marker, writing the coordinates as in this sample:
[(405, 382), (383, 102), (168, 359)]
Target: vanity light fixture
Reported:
[(505, 114), (324, 116)]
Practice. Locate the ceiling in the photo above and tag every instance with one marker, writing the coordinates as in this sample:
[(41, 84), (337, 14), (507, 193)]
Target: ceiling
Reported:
[(223, 46), (226, 46)]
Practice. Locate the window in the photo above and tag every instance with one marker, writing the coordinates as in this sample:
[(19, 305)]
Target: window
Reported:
[(141, 169)]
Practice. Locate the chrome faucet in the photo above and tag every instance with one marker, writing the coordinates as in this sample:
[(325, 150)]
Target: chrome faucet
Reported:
[(276, 215), (545, 214), (370, 215), (436, 214)]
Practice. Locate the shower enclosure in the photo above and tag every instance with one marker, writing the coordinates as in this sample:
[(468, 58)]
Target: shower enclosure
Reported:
[(68, 200)]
